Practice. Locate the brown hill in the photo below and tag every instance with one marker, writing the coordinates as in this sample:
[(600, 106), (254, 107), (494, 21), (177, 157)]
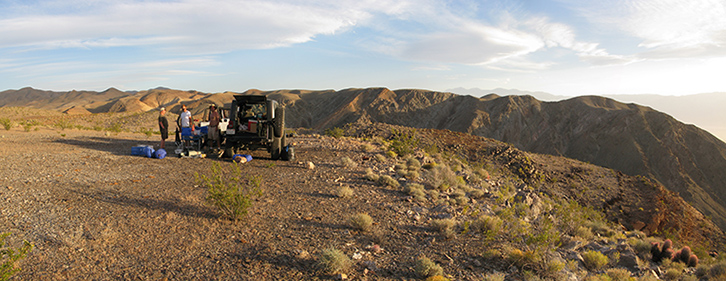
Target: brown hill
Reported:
[(634, 139)]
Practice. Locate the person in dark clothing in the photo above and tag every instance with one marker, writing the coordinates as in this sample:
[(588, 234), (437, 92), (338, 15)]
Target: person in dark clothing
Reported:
[(163, 127)]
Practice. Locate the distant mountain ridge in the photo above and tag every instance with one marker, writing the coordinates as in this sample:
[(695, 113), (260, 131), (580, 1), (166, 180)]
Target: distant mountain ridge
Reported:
[(634, 139), (703, 110)]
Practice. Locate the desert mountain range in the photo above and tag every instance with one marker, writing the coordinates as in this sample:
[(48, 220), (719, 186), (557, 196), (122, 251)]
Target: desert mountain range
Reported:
[(634, 139)]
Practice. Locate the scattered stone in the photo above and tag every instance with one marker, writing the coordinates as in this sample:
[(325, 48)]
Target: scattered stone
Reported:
[(310, 165), (341, 276)]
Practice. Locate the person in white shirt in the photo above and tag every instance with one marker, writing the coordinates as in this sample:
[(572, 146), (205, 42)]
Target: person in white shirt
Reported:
[(185, 120)]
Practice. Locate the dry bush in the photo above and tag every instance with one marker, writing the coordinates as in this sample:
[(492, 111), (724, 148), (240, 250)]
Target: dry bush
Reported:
[(386, 180), (370, 175), (425, 267), (333, 261), (344, 192), (619, 274), (361, 221), (345, 161)]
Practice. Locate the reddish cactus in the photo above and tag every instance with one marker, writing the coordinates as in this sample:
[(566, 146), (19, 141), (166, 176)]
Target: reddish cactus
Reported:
[(692, 261), (666, 245)]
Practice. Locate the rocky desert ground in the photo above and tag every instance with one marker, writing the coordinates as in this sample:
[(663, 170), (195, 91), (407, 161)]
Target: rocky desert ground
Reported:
[(94, 212)]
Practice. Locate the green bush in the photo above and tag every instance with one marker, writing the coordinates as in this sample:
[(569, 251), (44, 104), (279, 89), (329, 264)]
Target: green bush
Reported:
[(594, 260), (404, 142), (333, 261), (334, 132), (10, 256), (229, 192), (63, 124), (425, 267), (7, 124)]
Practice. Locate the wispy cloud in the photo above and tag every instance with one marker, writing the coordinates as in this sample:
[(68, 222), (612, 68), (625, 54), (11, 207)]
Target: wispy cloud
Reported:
[(665, 28)]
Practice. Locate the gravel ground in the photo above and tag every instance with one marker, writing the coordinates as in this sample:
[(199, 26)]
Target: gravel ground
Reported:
[(94, 212)]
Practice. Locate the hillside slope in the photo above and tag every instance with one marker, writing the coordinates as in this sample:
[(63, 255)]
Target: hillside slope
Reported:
[(633, 139)]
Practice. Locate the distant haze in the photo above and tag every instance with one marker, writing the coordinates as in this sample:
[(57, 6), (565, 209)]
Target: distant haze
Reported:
[(705, 111)]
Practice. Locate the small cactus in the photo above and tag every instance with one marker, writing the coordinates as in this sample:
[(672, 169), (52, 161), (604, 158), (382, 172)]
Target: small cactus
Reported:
[(692, 261)]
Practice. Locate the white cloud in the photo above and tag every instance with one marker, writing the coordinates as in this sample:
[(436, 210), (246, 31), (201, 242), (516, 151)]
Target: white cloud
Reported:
[(190, 25), (666, 28)]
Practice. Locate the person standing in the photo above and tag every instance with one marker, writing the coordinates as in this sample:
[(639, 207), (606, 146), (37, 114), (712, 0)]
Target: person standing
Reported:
[(185, 120), (163, 127), (213, 132)]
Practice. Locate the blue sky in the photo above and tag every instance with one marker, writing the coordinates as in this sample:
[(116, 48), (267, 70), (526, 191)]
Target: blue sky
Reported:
[(564, 47)]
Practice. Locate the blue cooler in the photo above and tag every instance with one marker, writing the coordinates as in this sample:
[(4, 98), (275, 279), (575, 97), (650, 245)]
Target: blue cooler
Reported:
[(186, 131), (139, 150), (203, 130)]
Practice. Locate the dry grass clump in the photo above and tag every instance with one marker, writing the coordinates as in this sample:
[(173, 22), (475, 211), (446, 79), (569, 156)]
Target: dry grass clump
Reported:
[(386, 180), (333, 261), (345, 161), (370, 175), (494, 276), (380, 157), (619, 274), (487, 224), (361, 221), (445, 227), (344, 192), (718, 271), (416, 190), (367, 147), (425, 267), (442, 178)]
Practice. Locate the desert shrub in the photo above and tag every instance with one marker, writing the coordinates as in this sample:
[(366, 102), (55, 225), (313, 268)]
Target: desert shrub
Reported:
[(494, 276), (523, 258), (10, 256), (584, 232), (380, 157), (370, 175), (425, 267), (229, 192), (334, 132), (552, 268), (345, 161), (391, 154), (416, 190), (437, 278), (413, 175), (600, 227), (7, 124), (404, 142), (63, 124), (718, 271), (386, 180), (116, 127), (487, 224), (333, 261), (672, 274), (413, 164), (445, 227), (619, 274), (429, 166), (442, 177), (366, 147), (344, 192), (594, 260), (361, 221)]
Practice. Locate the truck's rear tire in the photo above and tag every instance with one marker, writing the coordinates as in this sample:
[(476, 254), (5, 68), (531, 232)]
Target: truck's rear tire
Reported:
[(276, 148), (279, 121)]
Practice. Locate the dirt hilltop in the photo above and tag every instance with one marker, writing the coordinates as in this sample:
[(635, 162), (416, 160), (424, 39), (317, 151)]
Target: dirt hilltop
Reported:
[(95, 212), (634, 139)]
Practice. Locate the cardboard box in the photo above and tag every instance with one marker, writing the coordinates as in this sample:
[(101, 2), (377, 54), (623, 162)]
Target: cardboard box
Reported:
[(252, 126)]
